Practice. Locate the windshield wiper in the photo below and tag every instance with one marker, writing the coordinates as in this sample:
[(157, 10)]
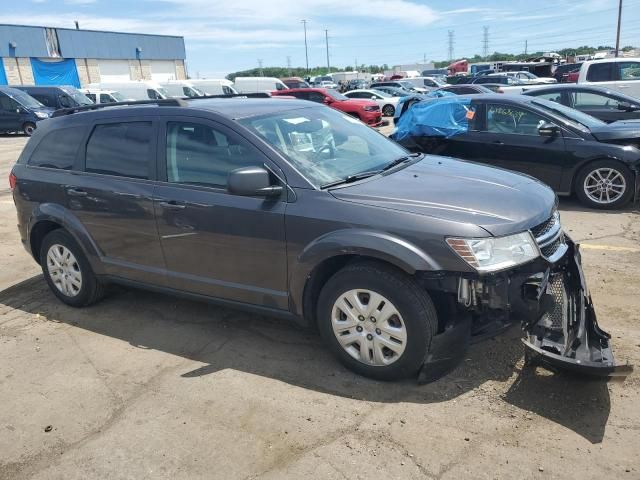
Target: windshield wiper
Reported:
[(400, 160), (352, 178)]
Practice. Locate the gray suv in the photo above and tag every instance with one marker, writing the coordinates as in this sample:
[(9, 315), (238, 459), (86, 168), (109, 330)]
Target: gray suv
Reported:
[(290, 208)]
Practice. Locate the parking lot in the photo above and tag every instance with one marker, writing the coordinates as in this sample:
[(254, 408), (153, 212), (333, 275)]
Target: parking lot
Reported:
[(142, 385)]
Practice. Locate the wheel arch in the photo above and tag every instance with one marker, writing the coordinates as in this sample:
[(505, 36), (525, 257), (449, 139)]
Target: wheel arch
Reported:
[(323, 257), (601, 158), (50, 217)]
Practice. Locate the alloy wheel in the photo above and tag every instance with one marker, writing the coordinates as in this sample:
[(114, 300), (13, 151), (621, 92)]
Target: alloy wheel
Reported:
[(64, 270), (369, 327), (604, 185)]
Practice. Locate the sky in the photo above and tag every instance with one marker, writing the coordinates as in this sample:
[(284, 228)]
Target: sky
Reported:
[(230, 35)]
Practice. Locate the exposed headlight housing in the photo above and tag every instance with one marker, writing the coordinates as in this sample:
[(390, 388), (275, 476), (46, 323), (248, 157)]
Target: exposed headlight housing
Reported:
[(371, 108), (492, 254), (41, 114)]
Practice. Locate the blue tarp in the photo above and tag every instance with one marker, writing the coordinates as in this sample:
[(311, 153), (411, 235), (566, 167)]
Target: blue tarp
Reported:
[(444, 117), (3, 76), (63, 72)]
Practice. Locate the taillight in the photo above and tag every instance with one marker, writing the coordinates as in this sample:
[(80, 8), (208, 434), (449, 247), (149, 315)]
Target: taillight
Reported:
[(12, 181)]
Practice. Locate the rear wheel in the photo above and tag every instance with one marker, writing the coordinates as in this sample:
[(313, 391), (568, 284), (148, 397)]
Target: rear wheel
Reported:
[(605, 184), (67, 270), (28, 128), (377, 320), (388, 110)]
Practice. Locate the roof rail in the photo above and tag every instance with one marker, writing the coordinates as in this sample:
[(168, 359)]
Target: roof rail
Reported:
[(232, 95), (168, 102)]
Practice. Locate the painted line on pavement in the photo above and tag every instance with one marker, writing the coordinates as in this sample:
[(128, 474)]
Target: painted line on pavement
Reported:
[(610, 248)]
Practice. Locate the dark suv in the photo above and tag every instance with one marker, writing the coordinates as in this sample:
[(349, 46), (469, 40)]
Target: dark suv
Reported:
[(290, 208)]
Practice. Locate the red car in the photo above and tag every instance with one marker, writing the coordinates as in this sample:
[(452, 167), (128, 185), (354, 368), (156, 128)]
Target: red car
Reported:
[(367, 111)]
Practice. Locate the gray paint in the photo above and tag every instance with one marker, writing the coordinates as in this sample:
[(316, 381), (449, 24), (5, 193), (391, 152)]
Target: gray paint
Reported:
[(30, 42)]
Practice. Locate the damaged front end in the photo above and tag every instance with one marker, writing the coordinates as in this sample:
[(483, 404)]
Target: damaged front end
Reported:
[(548, 296)]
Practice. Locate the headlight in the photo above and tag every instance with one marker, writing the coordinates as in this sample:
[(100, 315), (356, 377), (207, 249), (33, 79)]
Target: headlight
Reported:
[(495, 253), (42, 114), (371, 108)]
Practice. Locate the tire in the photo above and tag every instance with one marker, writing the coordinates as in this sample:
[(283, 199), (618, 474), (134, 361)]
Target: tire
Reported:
[(416, 313), (28, 128), (619, 191), (77, 294), (388, 110)]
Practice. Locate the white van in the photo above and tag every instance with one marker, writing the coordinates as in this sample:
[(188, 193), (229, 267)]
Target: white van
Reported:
[(134, 90), (214, 86), (258, 84), (181, 88), (427, 83), (98, 95)]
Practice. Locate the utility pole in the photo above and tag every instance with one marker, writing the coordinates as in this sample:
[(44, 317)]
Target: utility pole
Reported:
[(618, 33), (306, 48), (485, 42), (526, 46), (260, 66), (424, 58), (326, 37), (451, 41), (289, 64), (355, 67)]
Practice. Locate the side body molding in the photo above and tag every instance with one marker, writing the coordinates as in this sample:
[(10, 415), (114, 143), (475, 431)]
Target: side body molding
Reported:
[(374, 244)]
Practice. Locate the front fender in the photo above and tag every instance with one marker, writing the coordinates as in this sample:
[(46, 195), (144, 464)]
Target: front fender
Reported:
[(50, 212), (382, 246)]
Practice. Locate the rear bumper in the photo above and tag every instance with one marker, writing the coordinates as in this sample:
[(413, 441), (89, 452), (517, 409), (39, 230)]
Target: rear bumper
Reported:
[(553, 305)]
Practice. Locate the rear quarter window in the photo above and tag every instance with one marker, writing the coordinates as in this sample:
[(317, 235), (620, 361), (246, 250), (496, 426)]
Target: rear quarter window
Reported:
[(57, 149)]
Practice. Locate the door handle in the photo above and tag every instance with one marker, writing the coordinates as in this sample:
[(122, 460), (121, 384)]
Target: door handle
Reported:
[(498, 142), (172, 205), (72, 192), (127, 195)]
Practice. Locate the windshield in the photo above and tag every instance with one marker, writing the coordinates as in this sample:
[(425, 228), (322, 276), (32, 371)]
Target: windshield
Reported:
[(192, 92), (325, 145), (407, 85), (382, 94), (336, 95), (79, 98), (528, 75), (25, 100), (578, 119), (118, 97)]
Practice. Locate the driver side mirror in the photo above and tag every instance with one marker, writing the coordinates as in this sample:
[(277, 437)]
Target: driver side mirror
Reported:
[(548, 130), (627, 107), (252, 182)]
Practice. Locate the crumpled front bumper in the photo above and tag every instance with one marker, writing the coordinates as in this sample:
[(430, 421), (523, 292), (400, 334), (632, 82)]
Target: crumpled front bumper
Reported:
[(553, 303), (566, 335)]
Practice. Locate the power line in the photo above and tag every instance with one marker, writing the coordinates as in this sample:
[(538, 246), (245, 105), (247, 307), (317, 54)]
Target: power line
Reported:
[(451, 41)]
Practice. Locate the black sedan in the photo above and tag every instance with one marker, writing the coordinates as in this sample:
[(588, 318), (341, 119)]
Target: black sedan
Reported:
[(570, 151), (607, 105)]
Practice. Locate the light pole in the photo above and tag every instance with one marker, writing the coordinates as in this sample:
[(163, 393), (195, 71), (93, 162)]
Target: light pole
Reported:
[(618, 33), (306, 48), (326, 36)]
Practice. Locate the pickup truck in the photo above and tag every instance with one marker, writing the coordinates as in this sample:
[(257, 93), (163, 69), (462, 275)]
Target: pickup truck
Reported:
[(622, 74)]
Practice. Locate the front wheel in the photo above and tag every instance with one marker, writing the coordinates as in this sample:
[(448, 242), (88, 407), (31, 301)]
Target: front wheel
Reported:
[(388, 110), (377, 320), (28, 128), (605, 184)]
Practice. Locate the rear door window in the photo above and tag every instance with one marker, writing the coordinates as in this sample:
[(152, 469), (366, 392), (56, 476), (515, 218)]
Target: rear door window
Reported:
[(601, 72), (8, 104), (58, 149), (316, 97), (120, 149)]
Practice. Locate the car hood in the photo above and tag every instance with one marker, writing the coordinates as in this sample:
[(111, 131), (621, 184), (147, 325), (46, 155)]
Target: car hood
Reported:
[(499, 201), (621, 130)]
